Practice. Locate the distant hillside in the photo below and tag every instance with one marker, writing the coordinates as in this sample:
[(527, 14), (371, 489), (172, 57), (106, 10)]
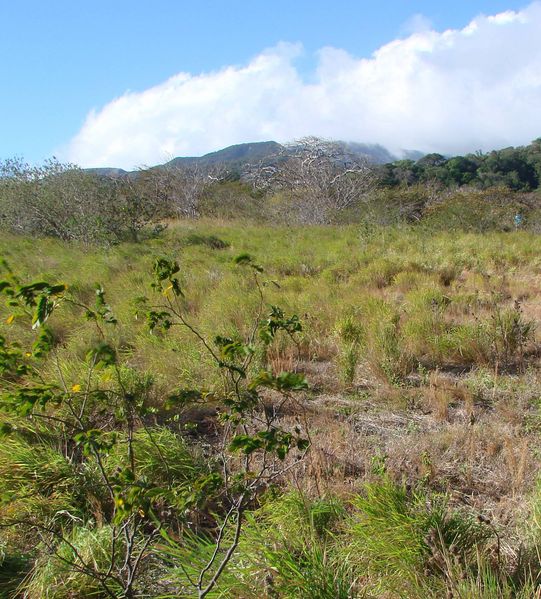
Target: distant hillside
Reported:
[(374, 152), (247, 153), (233, 155), (239, 155), (107, 172)]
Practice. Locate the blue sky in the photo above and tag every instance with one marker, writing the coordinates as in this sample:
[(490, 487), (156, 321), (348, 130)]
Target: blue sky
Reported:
[(62, 59)]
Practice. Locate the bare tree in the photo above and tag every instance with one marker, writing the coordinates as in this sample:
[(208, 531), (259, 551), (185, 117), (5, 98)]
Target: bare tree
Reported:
[(183, 186), (322, 178)]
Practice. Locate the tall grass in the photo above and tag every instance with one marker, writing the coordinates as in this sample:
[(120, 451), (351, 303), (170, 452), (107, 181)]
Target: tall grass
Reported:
[(59, 572), (287, 551), (403, 539), (48, 485), (376, 305)]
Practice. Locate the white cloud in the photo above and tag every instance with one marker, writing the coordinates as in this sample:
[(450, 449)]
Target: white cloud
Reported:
[(453, 91)]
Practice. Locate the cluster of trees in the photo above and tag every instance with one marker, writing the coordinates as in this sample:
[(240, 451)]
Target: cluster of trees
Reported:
[(518, 169), (64, 201), (312, 181)]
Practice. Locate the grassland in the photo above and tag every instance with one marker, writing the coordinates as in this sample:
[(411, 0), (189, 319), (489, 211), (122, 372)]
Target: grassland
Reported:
[(421, 350)]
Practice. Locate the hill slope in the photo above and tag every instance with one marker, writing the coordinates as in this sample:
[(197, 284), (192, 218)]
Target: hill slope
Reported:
[(239, 155)]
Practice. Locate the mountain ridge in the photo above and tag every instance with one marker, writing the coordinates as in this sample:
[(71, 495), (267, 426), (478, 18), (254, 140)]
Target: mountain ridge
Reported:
[(237, 155)]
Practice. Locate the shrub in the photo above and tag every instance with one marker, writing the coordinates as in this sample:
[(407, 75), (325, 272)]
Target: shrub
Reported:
[(210, 241), (64, 201), (474, 210)]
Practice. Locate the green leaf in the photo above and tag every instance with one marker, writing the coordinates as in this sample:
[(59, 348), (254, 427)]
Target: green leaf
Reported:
[(43, 310), (25, 399), (44, 343), (95, 440), (245, 443), (164, 268), (285, 381), (158, 320), (29, 292), (230, 349), (303, 444), (277, 321), (247, 260), (102, 307), (102, 355)]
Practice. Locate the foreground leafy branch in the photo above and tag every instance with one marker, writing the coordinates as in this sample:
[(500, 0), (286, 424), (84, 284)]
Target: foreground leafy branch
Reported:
[(104, 421)]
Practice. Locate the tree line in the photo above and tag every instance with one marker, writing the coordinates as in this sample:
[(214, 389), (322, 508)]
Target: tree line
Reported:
[(312, 181), (518, 169)]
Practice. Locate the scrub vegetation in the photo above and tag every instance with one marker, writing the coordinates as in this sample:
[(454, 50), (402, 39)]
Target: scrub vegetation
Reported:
[(229, 407)]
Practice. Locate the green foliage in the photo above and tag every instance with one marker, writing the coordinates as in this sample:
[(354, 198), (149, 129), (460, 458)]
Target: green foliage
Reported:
[(149, 479), (12, 364), (247, 260), (284, 382), (518, 169), (277, 321)]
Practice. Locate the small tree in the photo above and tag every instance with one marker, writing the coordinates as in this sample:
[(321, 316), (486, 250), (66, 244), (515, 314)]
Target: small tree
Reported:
[(106, 410)]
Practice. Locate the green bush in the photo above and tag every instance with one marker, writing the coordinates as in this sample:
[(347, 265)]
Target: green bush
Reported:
[(474, 211)]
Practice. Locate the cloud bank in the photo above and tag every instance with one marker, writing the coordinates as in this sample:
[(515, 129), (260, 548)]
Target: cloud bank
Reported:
[(453, 91)]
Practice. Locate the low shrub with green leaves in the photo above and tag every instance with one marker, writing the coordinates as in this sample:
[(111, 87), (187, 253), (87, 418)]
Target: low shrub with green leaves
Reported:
[(148, 483)]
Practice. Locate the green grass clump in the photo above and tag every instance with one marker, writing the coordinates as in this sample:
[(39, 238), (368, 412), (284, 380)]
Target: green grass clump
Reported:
[(350, 335), (406, 541), (45, 484), (62, 573), (383, 348), (287, 551), (162, 458)]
